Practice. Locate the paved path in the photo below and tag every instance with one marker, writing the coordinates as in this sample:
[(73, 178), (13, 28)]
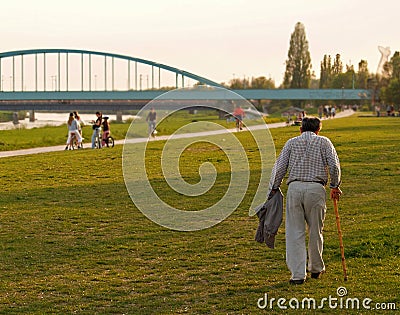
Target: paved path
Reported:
[(342, 114)]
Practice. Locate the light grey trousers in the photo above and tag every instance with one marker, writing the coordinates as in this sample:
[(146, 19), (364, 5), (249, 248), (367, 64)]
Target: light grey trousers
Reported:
[(305, 205)]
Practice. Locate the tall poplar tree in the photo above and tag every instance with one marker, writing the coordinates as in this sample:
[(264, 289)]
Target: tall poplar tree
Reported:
[(298, 64), (362, 75), (337, 67), (326, 72)]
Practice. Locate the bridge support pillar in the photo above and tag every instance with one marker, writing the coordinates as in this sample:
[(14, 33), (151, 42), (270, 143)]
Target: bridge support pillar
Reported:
[(119, 116), (32, 116)]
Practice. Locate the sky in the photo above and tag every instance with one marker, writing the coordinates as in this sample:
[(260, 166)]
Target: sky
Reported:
[(219, 40)]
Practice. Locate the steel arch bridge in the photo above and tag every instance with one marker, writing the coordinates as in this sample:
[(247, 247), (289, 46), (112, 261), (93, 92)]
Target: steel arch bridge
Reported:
[(86, 71), (64, 79)]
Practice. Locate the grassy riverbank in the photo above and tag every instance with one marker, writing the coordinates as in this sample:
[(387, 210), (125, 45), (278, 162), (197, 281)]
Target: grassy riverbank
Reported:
[(73, 242), (16, 139)]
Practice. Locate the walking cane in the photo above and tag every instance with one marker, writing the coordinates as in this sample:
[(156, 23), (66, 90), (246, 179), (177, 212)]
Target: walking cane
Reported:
[(340, 238)]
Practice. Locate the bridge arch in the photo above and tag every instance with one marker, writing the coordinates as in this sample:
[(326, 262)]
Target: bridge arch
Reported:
[(16, 75)]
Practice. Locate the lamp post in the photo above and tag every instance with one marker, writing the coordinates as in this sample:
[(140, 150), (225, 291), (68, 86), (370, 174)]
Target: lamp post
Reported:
[(54, 82), (341, 105)]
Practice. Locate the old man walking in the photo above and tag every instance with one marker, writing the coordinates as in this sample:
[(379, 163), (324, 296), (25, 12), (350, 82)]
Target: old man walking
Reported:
[(310, 161)]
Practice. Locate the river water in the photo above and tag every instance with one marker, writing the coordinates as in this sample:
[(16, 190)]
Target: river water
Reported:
[(53, 119)]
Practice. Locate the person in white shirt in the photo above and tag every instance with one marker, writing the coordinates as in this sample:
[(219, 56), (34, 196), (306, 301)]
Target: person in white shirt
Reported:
[(73, 130)]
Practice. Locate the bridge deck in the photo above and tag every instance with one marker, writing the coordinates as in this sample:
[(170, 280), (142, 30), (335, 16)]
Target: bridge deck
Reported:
[(120, 100)]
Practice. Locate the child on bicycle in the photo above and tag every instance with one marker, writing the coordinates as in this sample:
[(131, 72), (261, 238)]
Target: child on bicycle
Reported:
[(106, 130)]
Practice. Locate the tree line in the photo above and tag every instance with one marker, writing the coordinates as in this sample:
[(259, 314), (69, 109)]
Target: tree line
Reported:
[(385, 86)]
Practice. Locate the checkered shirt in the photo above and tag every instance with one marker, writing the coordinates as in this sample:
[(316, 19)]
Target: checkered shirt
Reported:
[(307, 158)]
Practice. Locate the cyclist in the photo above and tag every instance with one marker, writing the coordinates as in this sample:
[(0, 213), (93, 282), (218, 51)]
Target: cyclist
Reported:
[(106, 130), (239, 115), (151, 121)]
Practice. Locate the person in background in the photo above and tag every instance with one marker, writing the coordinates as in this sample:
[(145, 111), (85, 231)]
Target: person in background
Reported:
[(73, 131), (151, 120), (378, 110), (80, 122), (388, 110), (239, 115), (320, 111), (106, 130), (96, 128), (333, 111)]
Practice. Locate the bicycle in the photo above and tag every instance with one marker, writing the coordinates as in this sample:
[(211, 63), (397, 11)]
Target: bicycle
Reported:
[(109, 140), (73, 144), (239, 123)]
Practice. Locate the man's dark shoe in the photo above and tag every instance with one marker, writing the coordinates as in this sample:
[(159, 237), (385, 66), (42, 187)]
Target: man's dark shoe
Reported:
[(315, 275), (300, 281)]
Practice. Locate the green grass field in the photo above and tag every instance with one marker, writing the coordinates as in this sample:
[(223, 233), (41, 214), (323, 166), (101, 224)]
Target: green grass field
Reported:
[(73, 242)]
